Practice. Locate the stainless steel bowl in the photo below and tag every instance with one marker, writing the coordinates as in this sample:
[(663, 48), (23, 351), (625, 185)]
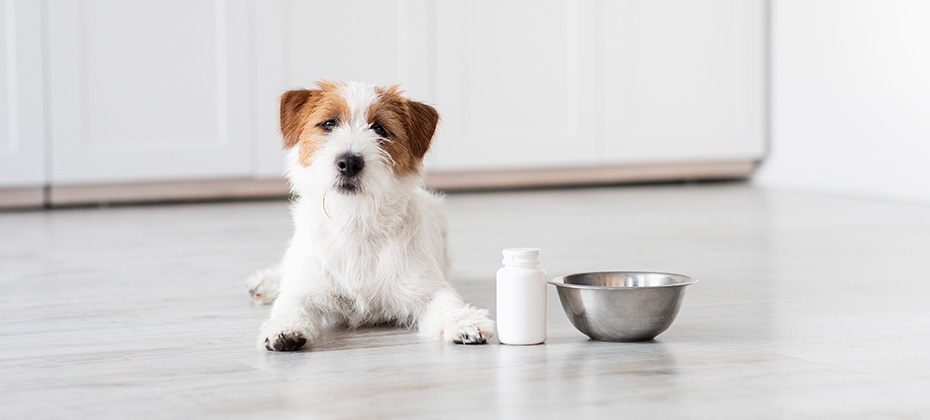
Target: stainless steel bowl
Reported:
[(622, 305)]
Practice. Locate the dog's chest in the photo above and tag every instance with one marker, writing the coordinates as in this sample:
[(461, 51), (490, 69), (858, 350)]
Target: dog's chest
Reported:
[(369, 279), (361, 264)]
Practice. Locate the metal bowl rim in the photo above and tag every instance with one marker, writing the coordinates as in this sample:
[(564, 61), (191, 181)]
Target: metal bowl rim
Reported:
[(559, 281)]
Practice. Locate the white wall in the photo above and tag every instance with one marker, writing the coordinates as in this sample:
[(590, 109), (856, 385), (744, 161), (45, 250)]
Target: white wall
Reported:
[(850, 110)]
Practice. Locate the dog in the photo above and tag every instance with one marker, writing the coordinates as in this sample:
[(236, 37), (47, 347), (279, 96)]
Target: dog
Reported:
[(369, 244)]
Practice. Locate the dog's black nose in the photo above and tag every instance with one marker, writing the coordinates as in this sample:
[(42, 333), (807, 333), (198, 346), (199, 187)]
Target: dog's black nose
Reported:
[(349, 164)]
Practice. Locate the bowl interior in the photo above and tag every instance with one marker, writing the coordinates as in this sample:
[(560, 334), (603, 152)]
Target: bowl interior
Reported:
[(622, 279)]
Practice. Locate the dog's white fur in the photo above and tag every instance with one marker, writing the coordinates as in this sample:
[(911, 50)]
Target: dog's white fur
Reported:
[(378, 255)]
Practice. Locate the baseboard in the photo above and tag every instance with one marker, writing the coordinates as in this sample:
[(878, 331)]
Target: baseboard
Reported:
[(74, 195), (16, 198), (166, 191), (613, 174)]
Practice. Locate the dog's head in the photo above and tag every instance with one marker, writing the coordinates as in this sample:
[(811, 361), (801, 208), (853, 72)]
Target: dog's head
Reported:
[(354, 138)]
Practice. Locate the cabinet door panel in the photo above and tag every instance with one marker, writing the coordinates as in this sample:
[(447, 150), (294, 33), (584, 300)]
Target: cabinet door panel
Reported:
[(509, 86), (144, 91), (22, 138), (683, 80)]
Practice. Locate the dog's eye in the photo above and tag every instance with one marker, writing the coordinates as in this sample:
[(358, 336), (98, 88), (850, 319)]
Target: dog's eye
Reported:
[(379, 130), (328, 125)]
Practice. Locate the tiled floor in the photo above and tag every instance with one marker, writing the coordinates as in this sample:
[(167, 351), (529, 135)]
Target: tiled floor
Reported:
[(808, 307)]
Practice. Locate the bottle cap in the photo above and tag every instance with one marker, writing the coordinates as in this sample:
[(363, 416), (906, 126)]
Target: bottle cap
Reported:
[(521, 252)]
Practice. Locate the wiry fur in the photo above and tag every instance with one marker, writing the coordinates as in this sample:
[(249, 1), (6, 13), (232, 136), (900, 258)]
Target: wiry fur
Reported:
[(371, 256)]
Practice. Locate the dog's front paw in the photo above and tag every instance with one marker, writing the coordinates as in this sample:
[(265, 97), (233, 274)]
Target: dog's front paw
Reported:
[(285, 341), (472, 331), (263, 286), (282, 336), (449, 319)]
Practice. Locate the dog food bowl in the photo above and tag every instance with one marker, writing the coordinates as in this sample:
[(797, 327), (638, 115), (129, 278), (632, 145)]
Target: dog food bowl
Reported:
[(622, 305)]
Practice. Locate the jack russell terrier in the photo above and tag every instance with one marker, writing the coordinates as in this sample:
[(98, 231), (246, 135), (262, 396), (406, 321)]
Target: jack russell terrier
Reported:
[(369, 244)]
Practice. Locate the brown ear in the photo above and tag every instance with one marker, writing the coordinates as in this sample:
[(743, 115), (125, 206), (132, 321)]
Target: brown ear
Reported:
[(295, 107), (421, 124)]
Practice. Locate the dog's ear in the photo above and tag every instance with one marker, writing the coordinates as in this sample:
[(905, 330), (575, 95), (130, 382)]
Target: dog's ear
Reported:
[(421, 124), (295, 107)]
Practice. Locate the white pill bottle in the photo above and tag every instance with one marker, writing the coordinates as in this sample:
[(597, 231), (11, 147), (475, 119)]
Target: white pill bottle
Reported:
[(521, 298)]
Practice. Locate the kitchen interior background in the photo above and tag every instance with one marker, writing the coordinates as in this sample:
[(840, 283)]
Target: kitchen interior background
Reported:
[(108, 100)]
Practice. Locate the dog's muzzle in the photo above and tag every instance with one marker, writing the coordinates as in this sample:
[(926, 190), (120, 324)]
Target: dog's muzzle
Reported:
[(349, 166)]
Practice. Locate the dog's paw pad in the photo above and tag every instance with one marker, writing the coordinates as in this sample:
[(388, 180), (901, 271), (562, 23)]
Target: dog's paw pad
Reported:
[(471, 333), (470, 339), (285, 342)]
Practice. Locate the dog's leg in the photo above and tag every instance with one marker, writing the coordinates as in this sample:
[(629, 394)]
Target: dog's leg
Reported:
[(264, 284), (293, 321), (450, 319), (296, 316)]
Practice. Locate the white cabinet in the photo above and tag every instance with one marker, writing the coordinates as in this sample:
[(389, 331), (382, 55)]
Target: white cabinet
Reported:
[(538, 84), (144, 91), (547, 84), (22, 139), (177, 90), (510, 84)]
